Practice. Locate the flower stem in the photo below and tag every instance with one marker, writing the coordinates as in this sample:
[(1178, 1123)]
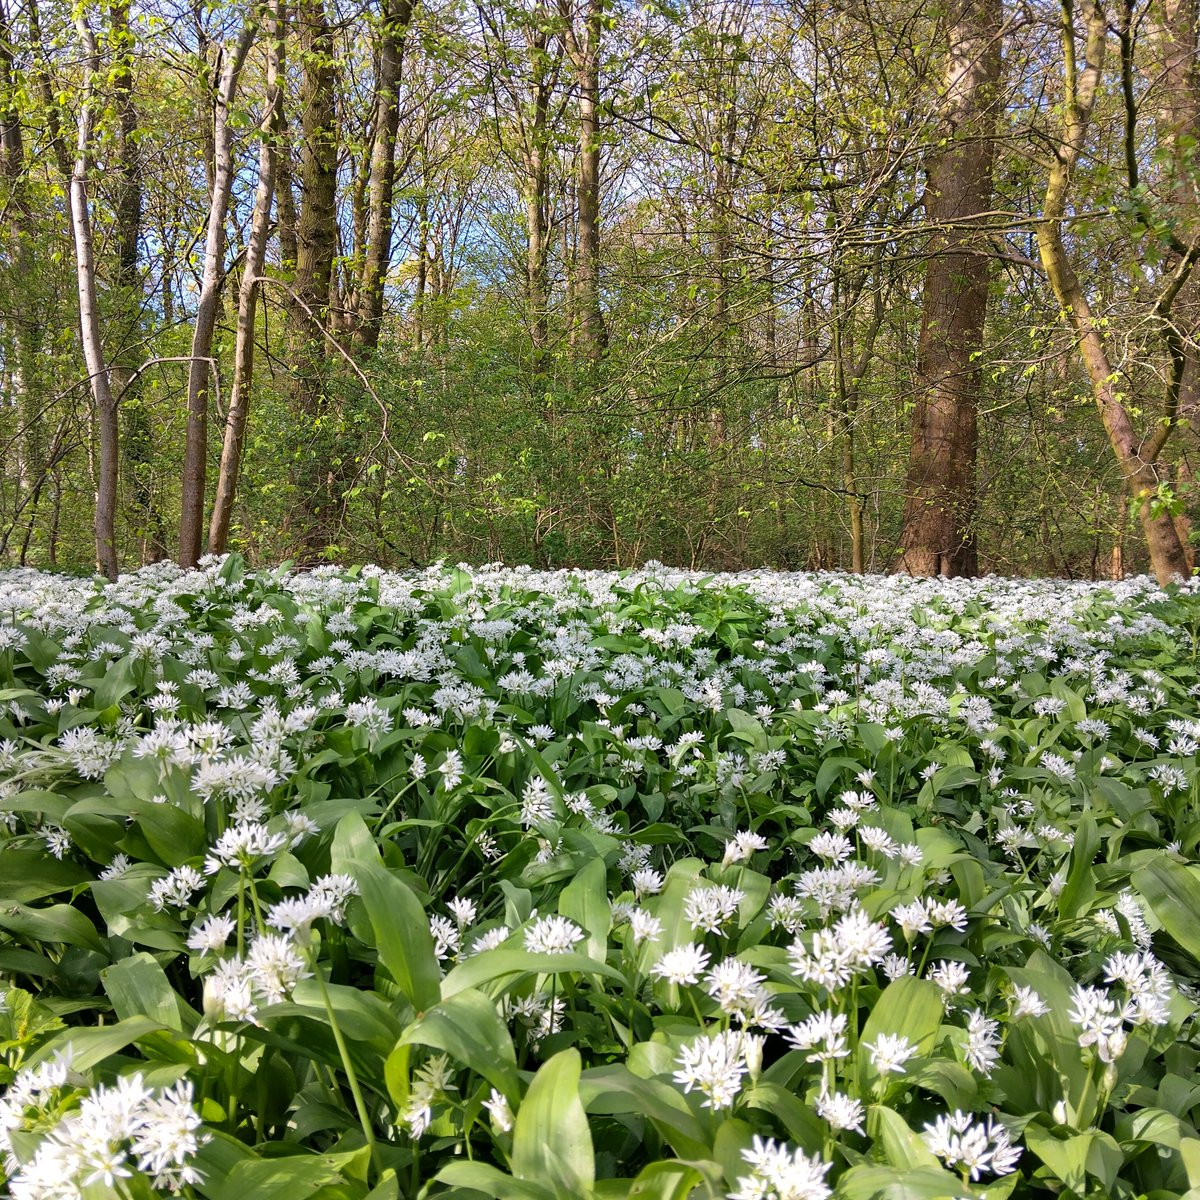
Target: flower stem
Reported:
[(364, 1118)]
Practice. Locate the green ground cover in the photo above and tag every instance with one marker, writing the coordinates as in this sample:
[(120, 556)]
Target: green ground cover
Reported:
[(551, 885)]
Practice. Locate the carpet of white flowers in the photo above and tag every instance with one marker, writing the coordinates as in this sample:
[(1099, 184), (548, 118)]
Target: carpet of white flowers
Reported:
[(546, 886)]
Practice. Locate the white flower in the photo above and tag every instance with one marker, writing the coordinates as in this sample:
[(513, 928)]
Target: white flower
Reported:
[(890, 1052), (716, 1064), (709, 908), (644, 926), (779, 1173), (500, 1111), (840, 1111), (646, 882), (210, 935), (1027, 1003), (552, 935), (960, 1141), (982, 1050), (742, 846), (824, 1033), (735, 986), (952, 977), (681, 965), (275, 966)]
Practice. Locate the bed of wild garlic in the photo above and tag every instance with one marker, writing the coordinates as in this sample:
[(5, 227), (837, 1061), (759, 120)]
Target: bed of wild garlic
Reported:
[(546, 886)]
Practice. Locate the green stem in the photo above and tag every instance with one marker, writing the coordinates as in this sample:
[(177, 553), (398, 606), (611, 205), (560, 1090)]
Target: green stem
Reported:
[(360, 1105)]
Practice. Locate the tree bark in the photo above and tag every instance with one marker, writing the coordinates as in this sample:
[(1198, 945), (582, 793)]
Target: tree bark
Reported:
[(938, 533), (583, 45), (395, 17), (260, 226), (195, 456), (1135, 458), (316, 247), (89, 315)]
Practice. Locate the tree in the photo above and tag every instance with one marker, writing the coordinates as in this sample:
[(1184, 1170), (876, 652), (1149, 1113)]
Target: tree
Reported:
[(231, 59), (938, 535), (1137, 456)]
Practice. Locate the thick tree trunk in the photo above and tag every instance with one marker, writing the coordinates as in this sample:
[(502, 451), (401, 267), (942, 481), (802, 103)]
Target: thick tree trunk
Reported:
[(1175, 74), (395, 16), (195, 455), (1135, 457), (243, 359), (136, 435), (308, 304), (89, 317), (938, 535), (21, 241)]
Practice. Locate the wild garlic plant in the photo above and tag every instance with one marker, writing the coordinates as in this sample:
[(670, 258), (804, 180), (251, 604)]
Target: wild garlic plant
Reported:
[(559, 884)]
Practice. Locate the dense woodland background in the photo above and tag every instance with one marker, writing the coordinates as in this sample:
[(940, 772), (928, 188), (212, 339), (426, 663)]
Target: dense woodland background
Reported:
[(721, 282)]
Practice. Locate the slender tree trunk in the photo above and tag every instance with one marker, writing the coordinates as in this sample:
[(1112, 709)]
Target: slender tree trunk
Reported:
[(584, 47), (395, 16), (260, 226), (195, 456), (89, 315), (1135, 458), (537, 202), (938, 536)]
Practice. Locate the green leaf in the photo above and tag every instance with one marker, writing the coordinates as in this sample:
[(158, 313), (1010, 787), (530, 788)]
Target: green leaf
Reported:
[(57, 923), (615, 1090), (89, 1047), (483, 1177), (1173, 893), (468, 1027), (503, 961), (551, 1139), (908, 1007), (138, 987), (276, 1179), (585, 901), (401, 932)]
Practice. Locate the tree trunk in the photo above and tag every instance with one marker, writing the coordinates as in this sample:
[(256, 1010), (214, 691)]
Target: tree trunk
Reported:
[(195, 455), (316, 248), (136, 436), (537, 200), (243, 358), (21, 240), (584, 48), (89, 316), (1135, 458), (938, 535), (395, 16)]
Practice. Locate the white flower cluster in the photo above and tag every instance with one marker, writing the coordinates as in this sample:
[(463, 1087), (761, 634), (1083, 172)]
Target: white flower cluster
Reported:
[(113, 1132)]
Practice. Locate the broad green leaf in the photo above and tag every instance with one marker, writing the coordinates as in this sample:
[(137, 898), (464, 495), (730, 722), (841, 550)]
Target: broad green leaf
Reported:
[(138, 987), (468, 1027), (617, 1091), (57, 923), (585, 901), (1173, 893), (505, 961), (401, 932), (88, 1047), (908, 1007), (552, 1143), (490, 1181), (276, 1179)]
